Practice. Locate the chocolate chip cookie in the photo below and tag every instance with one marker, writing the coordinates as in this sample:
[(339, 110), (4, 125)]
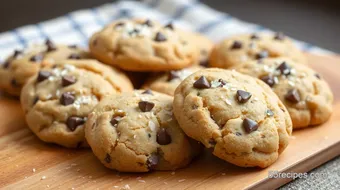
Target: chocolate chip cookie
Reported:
[(57, 100), (305, 94), (238, 116), (20, 66), (143, 45), (242, 48), (167, 83), (136, 132)]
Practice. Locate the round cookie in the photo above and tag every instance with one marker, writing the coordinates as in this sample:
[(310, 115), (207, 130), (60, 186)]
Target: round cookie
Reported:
[(143, 45), (167, 83), (305, 94), (19, 67), (57, 100), (238, 116), (242, 48), (136, 132)]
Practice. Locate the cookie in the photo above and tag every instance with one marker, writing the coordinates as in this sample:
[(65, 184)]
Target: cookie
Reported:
[(205, 45), (305, 94), (57, 100), (167, 83), (239, 117), (143, 45), (136, 132), (242, 48), (20, 66)]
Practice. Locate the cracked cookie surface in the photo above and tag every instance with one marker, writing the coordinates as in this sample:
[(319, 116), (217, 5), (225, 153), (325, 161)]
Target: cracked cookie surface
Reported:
[(238, 116), (242, 48), (57, 101), (305, 94), (20, 66), (143, 45), (136, 132), (167, 83)]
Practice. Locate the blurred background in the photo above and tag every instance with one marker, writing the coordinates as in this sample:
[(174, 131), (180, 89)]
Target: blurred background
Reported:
[(313, 21)]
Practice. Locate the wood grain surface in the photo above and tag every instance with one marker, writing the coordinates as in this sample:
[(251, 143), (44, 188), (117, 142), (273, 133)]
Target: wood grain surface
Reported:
[(28, 163)]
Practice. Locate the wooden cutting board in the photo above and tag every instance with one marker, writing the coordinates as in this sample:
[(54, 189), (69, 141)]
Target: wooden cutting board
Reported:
[(28, 163)]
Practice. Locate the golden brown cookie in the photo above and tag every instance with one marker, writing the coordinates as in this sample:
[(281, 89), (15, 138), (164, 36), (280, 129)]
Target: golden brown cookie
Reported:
[(238, 116), (57, 100), (305, 94), (136, 132), (19, 67), (143, 45), (242, 48)]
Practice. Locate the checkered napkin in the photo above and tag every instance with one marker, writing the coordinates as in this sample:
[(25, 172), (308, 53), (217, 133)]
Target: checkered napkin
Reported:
[(78, 26)]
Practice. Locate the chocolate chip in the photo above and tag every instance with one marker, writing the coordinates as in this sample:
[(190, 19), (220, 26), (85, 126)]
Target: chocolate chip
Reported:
[(67, 98), (134, 31), (293, 96), (317, 75), (172, 75), (114, 120), (149, 135), (238, 134), (243, 96), (170, 26), (152, 161), (35, 100), (43, 75), (148, 91), (73, 122), (119, 24), (73, 46), (249, 125), (222, 82), (145, 106), (254, 37), (50, 45), (269, 113), (261, 55), (68, 80), (16, 53), (160, 37), (212, 142), (148, 23), (279, 36), (204, 63), (6, 64), (236, 45), (284, 68), (74, 56), (15, 83), (163, 138), (202, 83), (107, 158), (37, 58), (268, 80)]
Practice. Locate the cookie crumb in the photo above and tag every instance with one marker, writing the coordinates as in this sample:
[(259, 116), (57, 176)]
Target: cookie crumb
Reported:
[(47, 186), (115, 186), (33, 170), (43, 177), (181, 180), (142, 181)]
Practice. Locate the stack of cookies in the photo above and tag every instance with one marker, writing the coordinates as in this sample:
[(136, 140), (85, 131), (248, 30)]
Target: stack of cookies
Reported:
[(244, 109)]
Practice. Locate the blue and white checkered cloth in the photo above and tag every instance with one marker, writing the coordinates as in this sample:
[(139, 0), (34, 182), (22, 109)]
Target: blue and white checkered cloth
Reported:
[(78, 26)]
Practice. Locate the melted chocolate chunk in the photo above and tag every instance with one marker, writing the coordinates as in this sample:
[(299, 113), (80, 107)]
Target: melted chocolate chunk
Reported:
[(284, 68), (73, 122), (50, 45), (293, 96), (67, 98), (160, 37), (43, 75), (68, 80), (172, 75), (163, 137), (269, 80), (202, 83), (236, 45), (145, 106), (148, 91), (249, 125), (243, 96)]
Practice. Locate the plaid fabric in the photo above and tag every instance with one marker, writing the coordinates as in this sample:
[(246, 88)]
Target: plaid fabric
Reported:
[(78, 26)]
